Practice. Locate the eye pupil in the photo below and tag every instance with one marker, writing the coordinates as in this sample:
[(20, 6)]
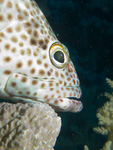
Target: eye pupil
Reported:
[(59, 56)]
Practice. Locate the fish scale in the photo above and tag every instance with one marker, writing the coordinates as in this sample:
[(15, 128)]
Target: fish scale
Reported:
[(34, 64)]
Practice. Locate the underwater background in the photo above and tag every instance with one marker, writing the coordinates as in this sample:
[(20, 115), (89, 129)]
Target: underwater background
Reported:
[(86, 28)]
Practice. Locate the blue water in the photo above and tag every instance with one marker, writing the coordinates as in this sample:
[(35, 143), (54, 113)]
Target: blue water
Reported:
[(86, 28)]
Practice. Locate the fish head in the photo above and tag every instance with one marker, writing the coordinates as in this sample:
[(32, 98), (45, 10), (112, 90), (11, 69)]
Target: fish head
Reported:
[(34, 64)]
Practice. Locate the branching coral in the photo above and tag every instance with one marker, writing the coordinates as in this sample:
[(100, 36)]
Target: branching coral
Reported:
[(107, 146), (28, 127), (105, 114), (105, 117), (85, 147)]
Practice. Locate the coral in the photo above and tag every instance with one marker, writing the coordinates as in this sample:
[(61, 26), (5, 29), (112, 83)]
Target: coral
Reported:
[(28, 126), (85, 147), (105, 114), (107, 146), (110, 83), (105, 117)]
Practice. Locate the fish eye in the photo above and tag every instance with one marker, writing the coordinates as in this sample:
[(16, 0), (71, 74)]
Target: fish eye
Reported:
[(58, 55)]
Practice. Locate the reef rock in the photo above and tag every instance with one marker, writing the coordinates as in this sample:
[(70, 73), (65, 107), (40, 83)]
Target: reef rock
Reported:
[(28, 126)]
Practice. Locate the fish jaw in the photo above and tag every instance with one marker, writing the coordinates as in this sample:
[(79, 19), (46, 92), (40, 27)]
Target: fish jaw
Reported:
[(64, 101), (64, 104)]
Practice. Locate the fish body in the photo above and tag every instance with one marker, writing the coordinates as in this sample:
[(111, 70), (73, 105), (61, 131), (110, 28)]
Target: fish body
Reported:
[(34, 64)]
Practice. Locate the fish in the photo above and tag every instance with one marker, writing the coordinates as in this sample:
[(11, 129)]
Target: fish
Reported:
[(34, 65)]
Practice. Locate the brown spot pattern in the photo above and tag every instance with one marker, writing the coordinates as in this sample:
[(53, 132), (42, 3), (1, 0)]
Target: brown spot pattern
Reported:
[(41, 72), (27, 5), (35, 34), (28, 52), (28, 92), (34, 94), (1, 18), (42, 85), (24, 37), (9, 17), (29, 31), (34, 82), (7, 59), (14, 39), (48, 73), (56, 101), (50, 84), (2, 34), (7, 46), (19, 65), (20, 17), (7, 72), (20, 92), (33, 41), (36, 25), (18, 28), (39, 62), (44, 47), (21, 44), (29, 62), (26, 13), (56, 73), (44, 56), (13, 50), (24, 79), (27, 24), (13, 84), (22, 52), (1, 1), (46, 65), (9, 29), (62, 76), (41, 42), (45, 97), (9, 4), (32, 71), (35, 54)]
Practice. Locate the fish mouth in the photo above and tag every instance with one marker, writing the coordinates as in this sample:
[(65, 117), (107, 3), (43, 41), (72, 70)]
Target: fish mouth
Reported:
[(73, 98), (70, 91), (74, 92)]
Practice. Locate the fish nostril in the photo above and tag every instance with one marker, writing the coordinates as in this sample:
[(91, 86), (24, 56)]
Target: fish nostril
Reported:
[(69, 67)]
